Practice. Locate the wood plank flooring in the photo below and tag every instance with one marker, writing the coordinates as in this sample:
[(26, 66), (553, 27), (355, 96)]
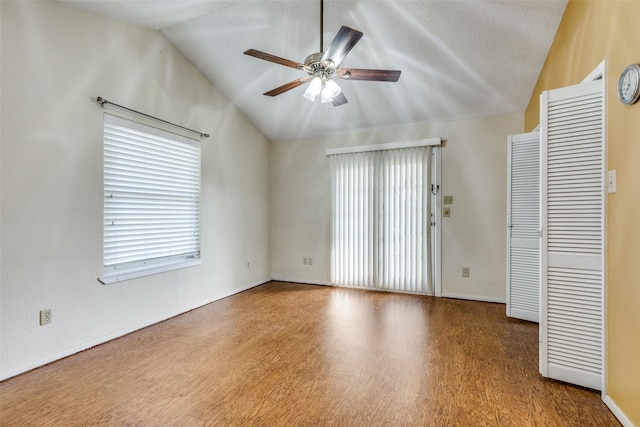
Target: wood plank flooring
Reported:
[(290, 354)]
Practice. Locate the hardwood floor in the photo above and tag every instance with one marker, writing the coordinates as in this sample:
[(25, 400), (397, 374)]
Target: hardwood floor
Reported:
[(289, 354)]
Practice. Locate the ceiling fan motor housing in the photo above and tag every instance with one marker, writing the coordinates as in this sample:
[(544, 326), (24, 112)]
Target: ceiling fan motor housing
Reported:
[(316, 67)]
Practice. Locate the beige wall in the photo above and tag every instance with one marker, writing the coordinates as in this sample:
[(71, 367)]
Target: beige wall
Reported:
[(589, 33), (474, 161), (54, 59)]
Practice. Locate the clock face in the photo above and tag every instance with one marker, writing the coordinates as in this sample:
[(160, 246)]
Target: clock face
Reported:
[(629, 84)]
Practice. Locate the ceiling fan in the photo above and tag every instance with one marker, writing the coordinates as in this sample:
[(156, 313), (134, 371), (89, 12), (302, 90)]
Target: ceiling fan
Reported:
[(322, 67)]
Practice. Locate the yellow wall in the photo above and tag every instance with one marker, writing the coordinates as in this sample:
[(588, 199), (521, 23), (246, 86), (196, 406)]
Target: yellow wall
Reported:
[(591, 31)]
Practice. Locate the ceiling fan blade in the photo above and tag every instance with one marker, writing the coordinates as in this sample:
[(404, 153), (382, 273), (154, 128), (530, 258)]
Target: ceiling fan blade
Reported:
[(342, 44), (288, 86), (364, 74), (339, 99), (273, 58)]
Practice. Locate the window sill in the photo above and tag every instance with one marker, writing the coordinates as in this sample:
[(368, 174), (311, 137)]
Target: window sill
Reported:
[(119, 276)]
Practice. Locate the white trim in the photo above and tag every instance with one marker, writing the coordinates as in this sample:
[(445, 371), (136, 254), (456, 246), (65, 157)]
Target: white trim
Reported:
[(276, 277), (280, 278), (120, 333), (436, 258), (384, 146), (626, 422), (475, 298)]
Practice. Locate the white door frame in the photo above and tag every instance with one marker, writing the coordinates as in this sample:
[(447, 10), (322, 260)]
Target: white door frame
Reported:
[(436, 220), (434, 203)]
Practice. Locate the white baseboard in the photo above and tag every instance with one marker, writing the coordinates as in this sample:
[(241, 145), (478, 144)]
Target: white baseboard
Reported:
[(117, 334), (475, 298), (617, 412), (280, 278)]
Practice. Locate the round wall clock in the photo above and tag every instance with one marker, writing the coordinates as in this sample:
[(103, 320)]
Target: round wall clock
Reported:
[(629, 84)]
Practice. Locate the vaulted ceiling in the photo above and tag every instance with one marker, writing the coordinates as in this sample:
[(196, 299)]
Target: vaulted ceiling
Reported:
[(459, 59)]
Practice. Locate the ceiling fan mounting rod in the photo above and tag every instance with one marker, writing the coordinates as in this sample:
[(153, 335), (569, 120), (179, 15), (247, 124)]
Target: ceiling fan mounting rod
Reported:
[(321, 25)]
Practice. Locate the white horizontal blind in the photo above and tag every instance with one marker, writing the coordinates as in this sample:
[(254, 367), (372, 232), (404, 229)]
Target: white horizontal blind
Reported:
[(151, 198), (573, 207), (380, 219), (523, 238)]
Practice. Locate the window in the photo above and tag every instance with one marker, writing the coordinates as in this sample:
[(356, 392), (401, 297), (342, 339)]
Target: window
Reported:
[(151, 200)]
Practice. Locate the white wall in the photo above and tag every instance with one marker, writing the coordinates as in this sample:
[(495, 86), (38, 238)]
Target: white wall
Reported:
[(474, 162), (54, 59)]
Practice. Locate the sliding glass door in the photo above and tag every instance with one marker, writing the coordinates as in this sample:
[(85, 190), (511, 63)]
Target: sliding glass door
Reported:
[(381, 219)]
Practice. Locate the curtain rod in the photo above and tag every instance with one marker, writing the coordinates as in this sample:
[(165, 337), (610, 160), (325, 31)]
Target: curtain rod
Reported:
[(102, 102)]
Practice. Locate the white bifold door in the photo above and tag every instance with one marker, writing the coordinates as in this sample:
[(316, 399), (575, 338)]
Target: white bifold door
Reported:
[(572, 248), (523, 227)]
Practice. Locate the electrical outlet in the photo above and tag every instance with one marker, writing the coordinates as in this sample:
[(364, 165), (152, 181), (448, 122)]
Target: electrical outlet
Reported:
[(45, 316), (448, 200), (248, 265), (310, 261), (446, 212), (304, 261), (465, 271)]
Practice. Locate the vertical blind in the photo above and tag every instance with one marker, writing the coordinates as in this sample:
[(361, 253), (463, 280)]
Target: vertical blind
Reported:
[(380, 219), (151, 197)]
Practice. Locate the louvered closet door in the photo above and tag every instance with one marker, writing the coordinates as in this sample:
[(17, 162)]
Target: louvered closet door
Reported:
[(523, 232), (571, 324)]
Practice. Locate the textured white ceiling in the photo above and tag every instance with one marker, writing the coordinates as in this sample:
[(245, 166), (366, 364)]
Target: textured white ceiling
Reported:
[(459, 59)]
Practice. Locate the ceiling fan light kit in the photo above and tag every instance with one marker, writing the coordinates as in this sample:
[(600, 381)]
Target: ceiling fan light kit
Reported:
[(327, 89), (314, 89), (323, 67)]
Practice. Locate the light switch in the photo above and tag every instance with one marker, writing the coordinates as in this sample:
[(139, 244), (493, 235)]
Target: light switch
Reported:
[(447, 200), (611, 181)]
